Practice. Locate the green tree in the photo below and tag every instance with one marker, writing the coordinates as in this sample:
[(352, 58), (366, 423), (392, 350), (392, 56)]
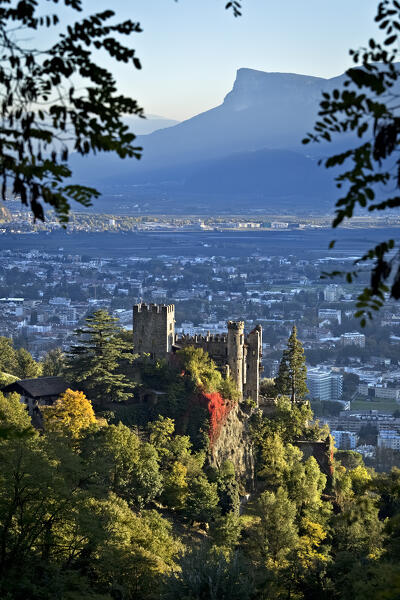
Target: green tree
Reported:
[(267, 387), (226, 532), (202, 500), (37, 505), (205, 574), (349, 458), (175, 486), (292, 375), (26, 366), (134, 552), (124, 464), (228, 489), (14, 418), (94, 361), (161, 432), (53, 363), (367, 105), (305, 483), (200, 368), (276, 534), (357, 529), (8, 359)]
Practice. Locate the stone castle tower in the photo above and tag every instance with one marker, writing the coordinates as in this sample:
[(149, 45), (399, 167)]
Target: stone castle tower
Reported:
[(235, 354), (153, 329)]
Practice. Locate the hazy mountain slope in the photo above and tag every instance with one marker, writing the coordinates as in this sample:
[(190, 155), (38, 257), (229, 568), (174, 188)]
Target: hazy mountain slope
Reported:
[(140, 126), (263, 110), (263, 173), (272, 110), (250, 144)]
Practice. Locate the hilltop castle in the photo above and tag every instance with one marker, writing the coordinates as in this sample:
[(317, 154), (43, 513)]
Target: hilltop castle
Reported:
[(235, 354)]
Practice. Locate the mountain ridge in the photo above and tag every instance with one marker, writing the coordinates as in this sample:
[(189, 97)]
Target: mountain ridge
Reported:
[(263, 112)]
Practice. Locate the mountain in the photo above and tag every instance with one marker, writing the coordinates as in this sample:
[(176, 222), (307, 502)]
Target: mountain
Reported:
[(263, 110), (262, 173), (243, 144), (140, 126)]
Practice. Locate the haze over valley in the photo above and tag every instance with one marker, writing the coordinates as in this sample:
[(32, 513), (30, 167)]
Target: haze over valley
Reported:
[(247, 152)]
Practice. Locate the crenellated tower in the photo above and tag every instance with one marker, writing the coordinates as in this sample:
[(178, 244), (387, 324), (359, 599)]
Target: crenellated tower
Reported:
[(236, 357), (235, 354), (251, 387), (153, 329)]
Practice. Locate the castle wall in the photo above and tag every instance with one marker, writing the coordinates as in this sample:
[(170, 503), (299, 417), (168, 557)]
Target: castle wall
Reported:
[(215, 345), (153, 329), (234, 355)]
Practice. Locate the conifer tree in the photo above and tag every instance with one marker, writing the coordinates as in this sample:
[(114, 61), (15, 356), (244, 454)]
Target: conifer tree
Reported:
[(292, 375), (95, 361)]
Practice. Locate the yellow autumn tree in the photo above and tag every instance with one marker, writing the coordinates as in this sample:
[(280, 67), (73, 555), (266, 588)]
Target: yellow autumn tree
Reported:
[(70, 414)]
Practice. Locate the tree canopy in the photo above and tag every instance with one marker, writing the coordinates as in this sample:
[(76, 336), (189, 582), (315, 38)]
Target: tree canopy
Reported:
[(366, 108), (70, 414), (61, 98), (292, 375), (94, 361)]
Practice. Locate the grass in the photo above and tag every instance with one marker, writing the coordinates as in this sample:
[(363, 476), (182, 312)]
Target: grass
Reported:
[(382, 405)]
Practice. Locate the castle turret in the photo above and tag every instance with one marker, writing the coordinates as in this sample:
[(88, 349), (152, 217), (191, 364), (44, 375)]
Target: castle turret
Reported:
[(235, 352), (153, 329), (253, 364)]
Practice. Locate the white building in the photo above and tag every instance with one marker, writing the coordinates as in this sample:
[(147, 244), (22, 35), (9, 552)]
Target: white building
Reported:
[(279, 225), (187, 327), (345, 440), (330, 314), (366, 450), (333, 292), (58, 301), (324, 385), (376, 391), (353, 338), (389, 439)]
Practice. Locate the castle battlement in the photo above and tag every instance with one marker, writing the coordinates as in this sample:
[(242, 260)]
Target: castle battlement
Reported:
[(154, 308), (234, 354), (218, 338), (236, 325)]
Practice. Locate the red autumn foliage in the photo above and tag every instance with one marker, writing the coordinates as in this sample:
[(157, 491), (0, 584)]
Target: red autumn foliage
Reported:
[(218, 410)]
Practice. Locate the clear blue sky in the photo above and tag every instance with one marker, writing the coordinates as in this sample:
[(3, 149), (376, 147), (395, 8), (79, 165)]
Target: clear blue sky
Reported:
[(190, 49)]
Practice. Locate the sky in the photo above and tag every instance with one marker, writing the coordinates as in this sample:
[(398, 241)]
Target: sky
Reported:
[(191, 49)]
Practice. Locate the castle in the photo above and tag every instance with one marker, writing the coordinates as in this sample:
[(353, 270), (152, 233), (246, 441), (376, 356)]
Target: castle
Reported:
[(235, 354)]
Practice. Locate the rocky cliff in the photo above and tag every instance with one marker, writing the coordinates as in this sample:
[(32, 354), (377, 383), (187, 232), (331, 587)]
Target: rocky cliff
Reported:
[(234, 444)]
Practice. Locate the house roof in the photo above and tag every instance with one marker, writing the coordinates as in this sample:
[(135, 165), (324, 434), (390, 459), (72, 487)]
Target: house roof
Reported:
[(38, 387)]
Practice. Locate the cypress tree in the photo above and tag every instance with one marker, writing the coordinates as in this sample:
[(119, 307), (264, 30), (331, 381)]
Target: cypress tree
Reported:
[(292, 375), (94, 363)]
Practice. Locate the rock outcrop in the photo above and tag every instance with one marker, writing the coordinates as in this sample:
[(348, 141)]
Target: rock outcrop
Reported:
[(233, 443)]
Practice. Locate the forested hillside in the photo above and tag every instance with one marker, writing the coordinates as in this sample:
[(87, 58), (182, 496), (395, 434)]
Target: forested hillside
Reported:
[(122, 500)]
